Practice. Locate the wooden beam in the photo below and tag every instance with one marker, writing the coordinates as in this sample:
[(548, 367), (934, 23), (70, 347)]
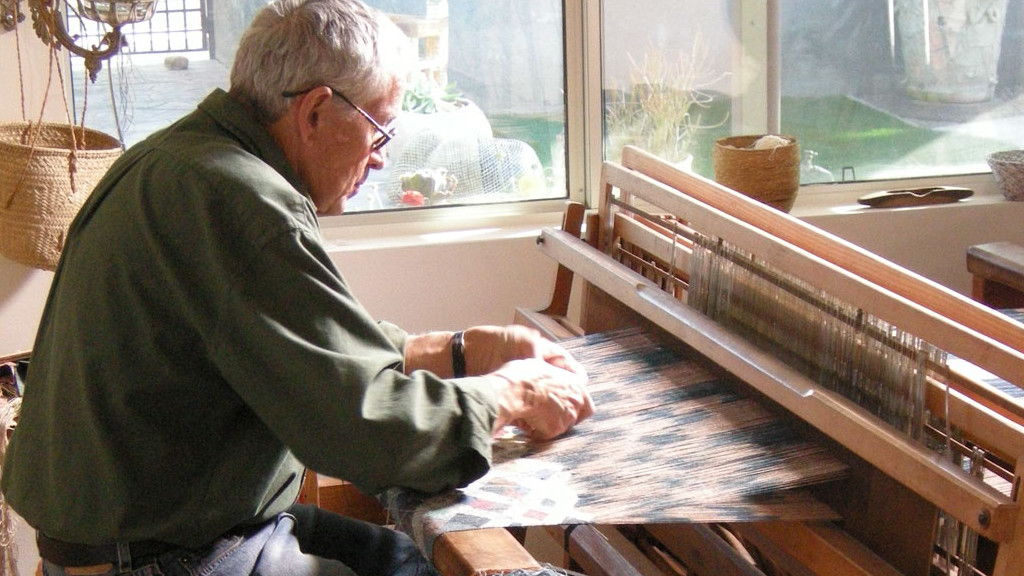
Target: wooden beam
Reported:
[(594, 554), (991, 514), (702, 551), (822, 549), (480, 552)]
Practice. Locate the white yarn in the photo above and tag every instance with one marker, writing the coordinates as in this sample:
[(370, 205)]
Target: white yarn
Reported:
[(771, 141)]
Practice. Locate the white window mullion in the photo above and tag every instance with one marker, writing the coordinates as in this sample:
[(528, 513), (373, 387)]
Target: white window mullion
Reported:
[(751, 110), (591, 105), (576, 87)]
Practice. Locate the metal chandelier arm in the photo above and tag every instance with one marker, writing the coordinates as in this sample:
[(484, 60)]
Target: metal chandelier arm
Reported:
[(48, 24)]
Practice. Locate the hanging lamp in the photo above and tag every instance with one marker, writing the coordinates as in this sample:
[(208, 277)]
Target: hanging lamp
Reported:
[(48, 22)]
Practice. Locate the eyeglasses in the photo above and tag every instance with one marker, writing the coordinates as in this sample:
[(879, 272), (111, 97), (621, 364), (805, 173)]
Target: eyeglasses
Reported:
[(384, 134)]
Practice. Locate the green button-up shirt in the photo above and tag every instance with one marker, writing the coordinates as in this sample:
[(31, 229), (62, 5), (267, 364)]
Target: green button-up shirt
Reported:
[(198, 347)]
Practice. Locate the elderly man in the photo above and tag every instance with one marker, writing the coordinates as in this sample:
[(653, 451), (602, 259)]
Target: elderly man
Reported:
[(199, 348)]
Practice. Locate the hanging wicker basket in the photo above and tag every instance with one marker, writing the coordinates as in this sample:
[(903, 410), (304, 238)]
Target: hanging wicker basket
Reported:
[(769, 174), (45, 177)]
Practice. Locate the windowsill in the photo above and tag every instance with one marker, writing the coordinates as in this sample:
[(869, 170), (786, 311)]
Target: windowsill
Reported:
[(384, 230), (841, 199)]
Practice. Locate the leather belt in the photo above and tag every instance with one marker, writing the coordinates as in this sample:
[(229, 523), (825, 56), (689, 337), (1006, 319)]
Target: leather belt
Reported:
[(67, 554)]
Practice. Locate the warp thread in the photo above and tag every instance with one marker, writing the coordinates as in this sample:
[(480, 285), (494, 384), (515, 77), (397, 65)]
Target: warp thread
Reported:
[(879, 366)]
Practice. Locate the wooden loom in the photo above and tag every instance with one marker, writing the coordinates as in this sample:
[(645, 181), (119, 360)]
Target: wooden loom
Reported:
[(635, 271)]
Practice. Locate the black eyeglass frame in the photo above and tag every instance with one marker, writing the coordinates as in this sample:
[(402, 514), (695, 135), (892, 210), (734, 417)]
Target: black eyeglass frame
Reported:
[(385, 134)]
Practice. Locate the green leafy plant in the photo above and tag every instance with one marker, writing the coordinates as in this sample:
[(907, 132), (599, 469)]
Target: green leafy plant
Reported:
[(664, 106), (426, 96)]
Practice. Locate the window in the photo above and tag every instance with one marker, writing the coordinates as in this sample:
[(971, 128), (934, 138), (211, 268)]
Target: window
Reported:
[(484, 120), (871, 90), (175, 26), (547, 89)]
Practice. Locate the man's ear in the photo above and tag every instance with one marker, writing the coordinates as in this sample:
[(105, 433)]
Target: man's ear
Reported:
[(309, 110)]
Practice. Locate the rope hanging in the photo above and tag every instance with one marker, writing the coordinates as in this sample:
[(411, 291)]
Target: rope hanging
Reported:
[(46, 172)]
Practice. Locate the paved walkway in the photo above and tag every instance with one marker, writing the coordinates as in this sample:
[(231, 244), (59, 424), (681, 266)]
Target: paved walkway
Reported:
[(168, 94), (1001, 118)]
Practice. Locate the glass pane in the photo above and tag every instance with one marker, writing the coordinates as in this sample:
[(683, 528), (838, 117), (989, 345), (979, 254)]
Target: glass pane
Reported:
[(141, 43), (160, 22), (194, 38), (176, 21), (194, 20), (485, 118), (881, 90), (928, 88), (484, 121), (667, 78)]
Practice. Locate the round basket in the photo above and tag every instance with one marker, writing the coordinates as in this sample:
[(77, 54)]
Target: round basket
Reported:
[(770, 175), (1008, 168), (45, 178)]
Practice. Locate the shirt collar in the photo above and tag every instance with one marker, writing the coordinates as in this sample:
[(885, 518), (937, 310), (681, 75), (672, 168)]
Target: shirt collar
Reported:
[(239, 119)]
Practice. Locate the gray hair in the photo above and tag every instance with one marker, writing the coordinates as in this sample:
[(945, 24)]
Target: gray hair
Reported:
[(294, 45)]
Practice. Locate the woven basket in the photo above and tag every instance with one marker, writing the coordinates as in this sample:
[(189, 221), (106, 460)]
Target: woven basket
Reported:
[(43, 183), (1008, 168), (770, 175)]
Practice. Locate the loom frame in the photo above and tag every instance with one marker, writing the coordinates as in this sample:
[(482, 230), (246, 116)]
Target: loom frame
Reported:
[(901, 473), (951, 321), (974, 332)]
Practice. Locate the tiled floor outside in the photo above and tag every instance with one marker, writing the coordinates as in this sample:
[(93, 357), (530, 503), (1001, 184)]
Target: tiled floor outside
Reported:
[(168, 95), (171, 93)]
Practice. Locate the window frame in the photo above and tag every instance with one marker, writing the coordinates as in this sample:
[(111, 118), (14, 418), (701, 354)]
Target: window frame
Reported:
[(761, 39), (585, 139), (584, 148)]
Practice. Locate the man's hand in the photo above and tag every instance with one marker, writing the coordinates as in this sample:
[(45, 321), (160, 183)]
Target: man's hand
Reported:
[(491, 347), (542, 399), (541, 388)]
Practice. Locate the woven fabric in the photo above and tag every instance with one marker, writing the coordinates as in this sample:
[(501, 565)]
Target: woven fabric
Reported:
[(673, 440)]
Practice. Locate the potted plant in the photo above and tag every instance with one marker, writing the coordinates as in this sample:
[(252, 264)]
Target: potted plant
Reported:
[(434, 119), (662, 110), (426, 105)]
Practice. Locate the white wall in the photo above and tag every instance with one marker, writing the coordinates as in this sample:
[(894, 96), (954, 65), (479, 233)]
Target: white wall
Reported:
[(930, 241), (427, 284), (34, 72), (449, 285)]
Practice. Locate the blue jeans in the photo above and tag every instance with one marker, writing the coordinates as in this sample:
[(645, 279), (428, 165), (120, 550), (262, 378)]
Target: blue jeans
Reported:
[(305, 541)]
